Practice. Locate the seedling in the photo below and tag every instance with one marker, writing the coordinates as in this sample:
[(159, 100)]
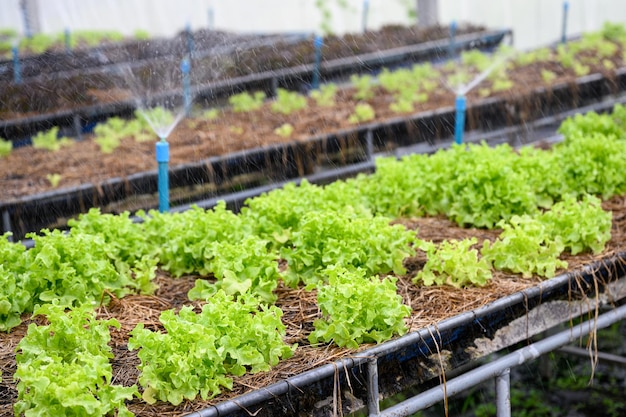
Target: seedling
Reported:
[(363, 112), (285, 130), (548, 76), (325, 96), (54, 179), (6, 146), (363, 85), (246, 102), (48, 140), (288, 101)]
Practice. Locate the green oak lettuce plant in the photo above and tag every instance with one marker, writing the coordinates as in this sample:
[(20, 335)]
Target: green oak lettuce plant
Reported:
[(64, 368), (241, 267), (358, 308), (198, 353), (525, 247), (580, 225), (455, 263), (325, 238)]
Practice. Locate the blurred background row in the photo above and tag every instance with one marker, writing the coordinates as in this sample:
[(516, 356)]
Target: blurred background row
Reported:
[(534, 22)]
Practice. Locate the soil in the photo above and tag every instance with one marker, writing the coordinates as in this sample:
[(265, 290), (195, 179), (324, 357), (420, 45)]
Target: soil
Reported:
[(430, 305), (24, 171), (218, 55)]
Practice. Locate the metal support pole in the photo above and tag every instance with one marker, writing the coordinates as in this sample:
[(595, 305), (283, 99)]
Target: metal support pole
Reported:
[(30, 16), (366, 9), (6, 223), (78, 127), (496, 367), (373, 408), (427, 13), (369, 144), (503, 394)]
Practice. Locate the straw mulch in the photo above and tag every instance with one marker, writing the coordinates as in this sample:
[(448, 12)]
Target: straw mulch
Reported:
[(430, 305)]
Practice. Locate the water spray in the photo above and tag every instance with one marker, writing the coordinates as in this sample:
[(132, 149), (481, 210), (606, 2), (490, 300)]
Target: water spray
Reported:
[(461, 103), (564, 28), (366, 9), (17, 69), (318, 42)]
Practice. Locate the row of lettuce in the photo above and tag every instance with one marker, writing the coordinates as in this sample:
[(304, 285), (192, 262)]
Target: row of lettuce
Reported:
[(338, 240)]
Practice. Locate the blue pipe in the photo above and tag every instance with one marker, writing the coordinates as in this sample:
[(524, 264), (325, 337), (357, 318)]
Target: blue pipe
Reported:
[(185, 68), (317, 46), (68, 41), (366, 9), (564, 29), (452, 46), (190, 46), (459, 124), (17, 70), (163, 157)]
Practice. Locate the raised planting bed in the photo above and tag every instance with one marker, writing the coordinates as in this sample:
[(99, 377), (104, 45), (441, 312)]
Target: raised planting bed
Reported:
[(213, 154), (312, 251), (83, 96)]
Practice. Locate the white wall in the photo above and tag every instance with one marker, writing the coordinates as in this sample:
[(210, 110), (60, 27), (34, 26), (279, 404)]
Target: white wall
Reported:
[(535, 22)]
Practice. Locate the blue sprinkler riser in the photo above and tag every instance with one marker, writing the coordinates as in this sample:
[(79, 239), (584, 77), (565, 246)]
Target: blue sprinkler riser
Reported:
[(459, 125), (185, 68), (318, 42), (451, 46), (564, 28), (68, 41), (163, 158)]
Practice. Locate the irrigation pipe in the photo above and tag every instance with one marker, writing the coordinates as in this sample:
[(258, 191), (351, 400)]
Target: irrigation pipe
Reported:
[(499, 366)]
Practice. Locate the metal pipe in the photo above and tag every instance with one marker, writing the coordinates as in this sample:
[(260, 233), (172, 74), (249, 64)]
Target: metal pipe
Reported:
[(608, 358), (496, 367), (373, 407), (503, 394)]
